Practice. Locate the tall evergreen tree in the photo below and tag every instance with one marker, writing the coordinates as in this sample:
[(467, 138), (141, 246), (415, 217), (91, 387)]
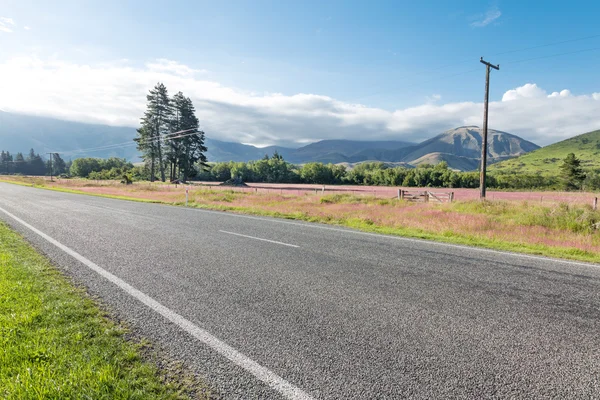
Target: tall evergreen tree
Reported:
[(188, 147), (34, 165), (571, 172), (19, 164), (4, 162), (58, 164), (156, 123)]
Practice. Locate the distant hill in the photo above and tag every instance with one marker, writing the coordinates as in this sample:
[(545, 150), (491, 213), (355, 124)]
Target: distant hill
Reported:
[(454, 162), (21, 132), (459, 147), (230, 151), (337, 151), (547, 160), (466, 142)]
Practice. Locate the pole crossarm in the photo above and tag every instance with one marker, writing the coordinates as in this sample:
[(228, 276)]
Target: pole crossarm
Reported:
[(496, 67)]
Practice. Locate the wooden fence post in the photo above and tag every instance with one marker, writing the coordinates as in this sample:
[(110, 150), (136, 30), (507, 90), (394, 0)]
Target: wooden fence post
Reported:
[(595, 203), (451, 197), (399, 194)]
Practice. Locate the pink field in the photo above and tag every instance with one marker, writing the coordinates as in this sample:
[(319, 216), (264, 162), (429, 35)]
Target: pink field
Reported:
[(389, 192)]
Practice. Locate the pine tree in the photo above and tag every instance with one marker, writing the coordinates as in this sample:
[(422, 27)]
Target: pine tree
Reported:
[(175, 148), (58, 164), (571, 173), (187, 148), (156, 123), (19, 164), (3, 162)]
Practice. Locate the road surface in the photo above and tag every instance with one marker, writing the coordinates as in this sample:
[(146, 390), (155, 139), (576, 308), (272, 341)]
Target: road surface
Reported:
[(267, 308)]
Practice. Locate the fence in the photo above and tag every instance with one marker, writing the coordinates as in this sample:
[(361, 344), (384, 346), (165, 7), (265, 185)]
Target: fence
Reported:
[(458, 194), (425, 196)]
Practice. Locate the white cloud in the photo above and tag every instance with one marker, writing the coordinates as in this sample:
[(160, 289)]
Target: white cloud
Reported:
[(529, 90), (115, 93), (6, 24), (485, 19), (562, 93), (26, 28), (433, 98), (164, 65)]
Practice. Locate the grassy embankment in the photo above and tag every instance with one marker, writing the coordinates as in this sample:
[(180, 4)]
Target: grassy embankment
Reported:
[(556, 230), (547, 160), (56, 342)]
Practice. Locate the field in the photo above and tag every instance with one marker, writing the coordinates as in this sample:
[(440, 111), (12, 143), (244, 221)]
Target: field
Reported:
[(543, 225), (57, 343)]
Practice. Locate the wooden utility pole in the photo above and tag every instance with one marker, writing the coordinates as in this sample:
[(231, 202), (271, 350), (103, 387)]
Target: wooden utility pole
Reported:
[(51, 169), (484, 145)]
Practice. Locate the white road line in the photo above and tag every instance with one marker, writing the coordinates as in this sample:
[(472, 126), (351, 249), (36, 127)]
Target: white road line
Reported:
[(312, 225), (265, 375), (257, 238)]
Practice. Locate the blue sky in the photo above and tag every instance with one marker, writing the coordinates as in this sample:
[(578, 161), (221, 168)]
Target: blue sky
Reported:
[(385, 55)]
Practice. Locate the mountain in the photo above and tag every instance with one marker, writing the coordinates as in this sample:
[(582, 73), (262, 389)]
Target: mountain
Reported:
[(454, 162), (231, 151), (337, 151), (465, 141), (459, 147), (547, 160), (21, 132)]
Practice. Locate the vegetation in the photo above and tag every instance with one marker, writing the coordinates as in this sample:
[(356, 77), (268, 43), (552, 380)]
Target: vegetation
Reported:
[(33, 164), (551, 229), (57, 344), (547, 160), (183, 157), (571, 173), (169, 136)]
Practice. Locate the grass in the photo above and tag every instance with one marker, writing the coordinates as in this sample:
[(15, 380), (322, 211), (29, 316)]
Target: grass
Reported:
[(58, 344), (555, 230), (547, 160)]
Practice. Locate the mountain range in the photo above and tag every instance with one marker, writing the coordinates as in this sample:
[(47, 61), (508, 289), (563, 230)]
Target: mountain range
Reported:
[(459, 147)]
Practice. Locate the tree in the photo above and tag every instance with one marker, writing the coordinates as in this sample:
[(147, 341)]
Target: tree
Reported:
[(34, 165), (187, 148), (156, 123), (19, 163), (571, 173)]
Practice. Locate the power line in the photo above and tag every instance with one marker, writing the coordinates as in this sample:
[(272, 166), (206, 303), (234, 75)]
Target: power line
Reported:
[(169, 136), (553, 55), (406, 77)]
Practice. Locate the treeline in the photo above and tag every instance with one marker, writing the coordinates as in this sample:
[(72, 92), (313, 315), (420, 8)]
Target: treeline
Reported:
[(32, 164), (169, 138), (277, 170)]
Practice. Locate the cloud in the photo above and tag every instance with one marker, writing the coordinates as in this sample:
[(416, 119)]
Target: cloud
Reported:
[(485, 19), (433, 98), (529, 90), (26, 28), (115, 94), (6, 24), (167, 66)]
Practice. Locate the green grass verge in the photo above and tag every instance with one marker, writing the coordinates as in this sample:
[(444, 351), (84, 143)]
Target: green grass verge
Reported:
[(56, 343), (445, 237), (368, 226)]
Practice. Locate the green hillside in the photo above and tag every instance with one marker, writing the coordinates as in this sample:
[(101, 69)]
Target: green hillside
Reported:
[(547, 160)]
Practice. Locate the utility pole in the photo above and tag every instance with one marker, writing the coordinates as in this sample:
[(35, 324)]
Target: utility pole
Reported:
[(484, 145), (51, 169)]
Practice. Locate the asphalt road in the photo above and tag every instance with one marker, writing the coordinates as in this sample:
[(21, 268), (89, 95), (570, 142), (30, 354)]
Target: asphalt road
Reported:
[(267, 308)]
